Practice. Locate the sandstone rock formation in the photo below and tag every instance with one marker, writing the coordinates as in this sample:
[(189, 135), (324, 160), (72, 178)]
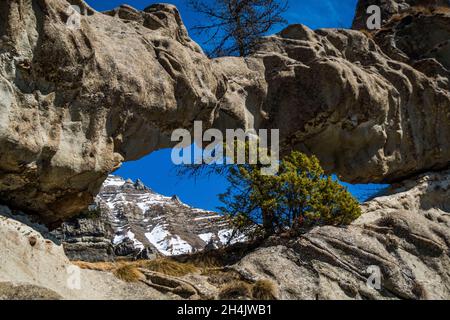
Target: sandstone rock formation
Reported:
[(33, 267), (405, 235), (390, 8), (77, 102), (337, 94)]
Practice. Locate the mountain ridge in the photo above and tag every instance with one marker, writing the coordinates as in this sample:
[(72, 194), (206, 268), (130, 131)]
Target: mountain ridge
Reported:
[(134, 221)]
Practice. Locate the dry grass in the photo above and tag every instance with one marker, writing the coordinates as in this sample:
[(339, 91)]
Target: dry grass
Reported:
[(97, 266), (124, 270), (237, 290), (169, 267), (231, 284), (207, 261), (165, 266), (442, 10), (264, 290), (128, 273), (367, 33)]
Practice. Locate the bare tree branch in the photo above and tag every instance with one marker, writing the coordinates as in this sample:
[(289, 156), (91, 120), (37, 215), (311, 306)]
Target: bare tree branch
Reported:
[(234, 27)]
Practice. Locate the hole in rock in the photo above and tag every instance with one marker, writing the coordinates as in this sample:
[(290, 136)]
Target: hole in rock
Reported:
[(158, 172)]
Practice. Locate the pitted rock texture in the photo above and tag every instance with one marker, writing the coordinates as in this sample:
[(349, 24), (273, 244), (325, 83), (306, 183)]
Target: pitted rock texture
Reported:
[(405, 236), (76, 103), (419, 38), (390, 8), (33, 266), (338, 95)]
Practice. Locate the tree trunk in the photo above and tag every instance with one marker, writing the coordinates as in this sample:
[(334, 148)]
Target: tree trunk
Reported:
[(268, 223)]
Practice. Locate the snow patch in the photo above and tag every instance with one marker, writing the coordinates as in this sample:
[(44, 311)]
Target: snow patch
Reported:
[(166, 243), (208, 217), (136, 243), (120, 238), (113, 181), (206, 237), (225, 235)]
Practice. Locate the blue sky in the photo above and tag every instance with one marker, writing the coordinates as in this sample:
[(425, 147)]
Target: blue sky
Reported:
[(157, 170), (313, 13)]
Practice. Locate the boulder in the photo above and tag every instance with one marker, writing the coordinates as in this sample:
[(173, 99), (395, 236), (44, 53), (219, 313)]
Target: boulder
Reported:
[(403, 237), (34, 266), (78, 101)]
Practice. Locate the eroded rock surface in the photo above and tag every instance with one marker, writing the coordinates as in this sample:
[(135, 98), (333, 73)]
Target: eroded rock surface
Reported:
[(390, 8), (338, 95), (33, 266), (76, 103), (406, 236)]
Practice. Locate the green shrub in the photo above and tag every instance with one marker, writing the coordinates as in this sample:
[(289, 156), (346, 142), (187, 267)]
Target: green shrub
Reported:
[(298, 197)]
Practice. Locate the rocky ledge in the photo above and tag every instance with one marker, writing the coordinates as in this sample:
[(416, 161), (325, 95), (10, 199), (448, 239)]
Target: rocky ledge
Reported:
[(373, 106), (33, 266), (76, 103), (404, 235)]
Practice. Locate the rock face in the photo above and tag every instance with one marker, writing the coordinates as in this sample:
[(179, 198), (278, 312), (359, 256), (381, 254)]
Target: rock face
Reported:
[(390, 8), (405, 235), (338, 95), (426, 51), (136, 222), (33, 266), (77, 102), (87, 239)]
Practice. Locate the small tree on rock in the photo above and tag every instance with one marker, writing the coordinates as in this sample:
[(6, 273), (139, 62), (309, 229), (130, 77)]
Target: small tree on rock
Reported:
[(299, 197)]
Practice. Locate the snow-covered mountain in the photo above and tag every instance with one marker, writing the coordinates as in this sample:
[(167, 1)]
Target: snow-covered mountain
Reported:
[(140, 222)]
